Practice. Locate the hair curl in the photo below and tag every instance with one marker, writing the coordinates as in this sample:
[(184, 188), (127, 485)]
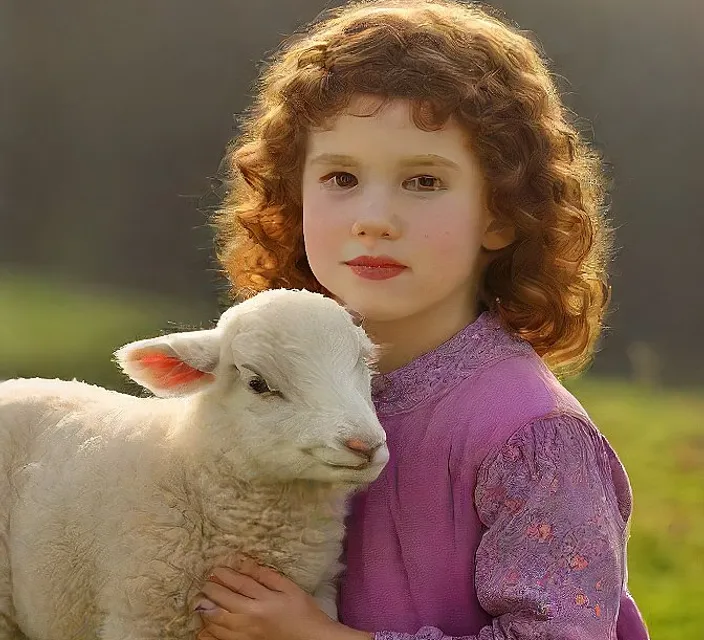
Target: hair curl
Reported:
[(449, 60)]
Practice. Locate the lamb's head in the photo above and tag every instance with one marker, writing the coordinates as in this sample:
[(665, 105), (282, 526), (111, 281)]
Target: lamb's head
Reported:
[(281, 384)]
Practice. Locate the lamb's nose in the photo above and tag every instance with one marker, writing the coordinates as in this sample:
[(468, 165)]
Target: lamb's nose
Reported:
[(362, 447)]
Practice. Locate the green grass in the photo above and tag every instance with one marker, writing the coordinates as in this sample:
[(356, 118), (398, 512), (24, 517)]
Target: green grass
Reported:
[(50, 328)]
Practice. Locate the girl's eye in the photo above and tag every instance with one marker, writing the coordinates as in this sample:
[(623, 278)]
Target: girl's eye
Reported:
[(423, 183), (340, 180)]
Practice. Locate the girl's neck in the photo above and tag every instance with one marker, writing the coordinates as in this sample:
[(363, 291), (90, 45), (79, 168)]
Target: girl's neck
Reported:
[(406, 339)]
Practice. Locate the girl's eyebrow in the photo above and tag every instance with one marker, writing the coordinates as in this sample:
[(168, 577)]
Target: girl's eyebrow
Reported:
[(334, 158), (424, 160)]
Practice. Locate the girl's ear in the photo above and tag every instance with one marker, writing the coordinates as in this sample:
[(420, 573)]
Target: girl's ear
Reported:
[(498, 235), (177, 364)]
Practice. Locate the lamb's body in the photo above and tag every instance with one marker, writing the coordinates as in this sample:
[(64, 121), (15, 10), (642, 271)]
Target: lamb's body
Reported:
[(151, 520), (114, 509)]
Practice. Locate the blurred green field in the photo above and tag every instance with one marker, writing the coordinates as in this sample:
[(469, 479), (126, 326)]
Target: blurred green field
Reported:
[(56, 329), (659, 436)]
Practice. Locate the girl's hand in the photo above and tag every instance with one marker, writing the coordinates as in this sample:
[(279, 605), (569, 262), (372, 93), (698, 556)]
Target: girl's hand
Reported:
[(257, 603)]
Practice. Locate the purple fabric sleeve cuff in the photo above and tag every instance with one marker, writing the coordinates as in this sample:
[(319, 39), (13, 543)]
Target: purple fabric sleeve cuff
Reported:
[(425, 633)]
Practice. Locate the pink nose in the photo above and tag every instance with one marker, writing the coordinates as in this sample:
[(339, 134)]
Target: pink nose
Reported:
[(358, 445), (361, 447)]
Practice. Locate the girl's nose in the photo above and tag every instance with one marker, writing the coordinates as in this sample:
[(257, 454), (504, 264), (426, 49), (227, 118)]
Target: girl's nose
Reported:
[(375, 228)]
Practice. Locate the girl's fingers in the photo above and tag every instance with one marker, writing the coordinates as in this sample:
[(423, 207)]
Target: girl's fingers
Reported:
[(220, 633), (205, 634), (239, 582), (268, 577), (216, 632), (225, 598), (223, 626)]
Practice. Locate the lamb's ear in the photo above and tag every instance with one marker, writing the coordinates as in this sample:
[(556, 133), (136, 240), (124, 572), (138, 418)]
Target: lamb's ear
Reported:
[(177, 364)]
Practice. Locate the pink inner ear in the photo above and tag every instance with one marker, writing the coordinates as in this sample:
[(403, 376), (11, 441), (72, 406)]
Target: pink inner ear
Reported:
[(169, 370)]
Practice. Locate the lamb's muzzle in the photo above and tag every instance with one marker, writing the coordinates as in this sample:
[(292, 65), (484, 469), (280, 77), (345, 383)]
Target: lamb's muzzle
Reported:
[(364, 456)]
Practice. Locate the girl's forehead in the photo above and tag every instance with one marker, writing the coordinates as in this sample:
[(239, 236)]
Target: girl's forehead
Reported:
[(363, 124)]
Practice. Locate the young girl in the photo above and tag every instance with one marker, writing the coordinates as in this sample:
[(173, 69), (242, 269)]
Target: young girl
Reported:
[(413, 159)]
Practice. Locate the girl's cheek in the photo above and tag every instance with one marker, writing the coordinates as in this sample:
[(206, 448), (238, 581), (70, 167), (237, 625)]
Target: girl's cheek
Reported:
[(322, 221), (321, 242)]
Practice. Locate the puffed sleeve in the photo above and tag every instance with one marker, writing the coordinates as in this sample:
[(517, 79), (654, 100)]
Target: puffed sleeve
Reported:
[(551, 563)]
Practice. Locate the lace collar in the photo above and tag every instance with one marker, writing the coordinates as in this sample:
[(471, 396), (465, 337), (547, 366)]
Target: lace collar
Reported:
[(480, 342)]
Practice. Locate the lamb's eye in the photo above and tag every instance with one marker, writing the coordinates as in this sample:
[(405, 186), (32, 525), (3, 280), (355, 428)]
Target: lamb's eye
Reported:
[(259, 385)]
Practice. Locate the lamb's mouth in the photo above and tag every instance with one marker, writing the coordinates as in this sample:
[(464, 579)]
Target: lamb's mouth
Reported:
[(328, 462), (356, 467)]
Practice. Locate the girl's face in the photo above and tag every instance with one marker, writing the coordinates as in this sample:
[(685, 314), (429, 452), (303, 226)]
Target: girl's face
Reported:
[(380, 186)]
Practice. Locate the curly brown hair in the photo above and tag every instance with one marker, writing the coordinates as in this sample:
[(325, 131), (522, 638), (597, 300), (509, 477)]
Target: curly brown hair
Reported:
[(449, 60)]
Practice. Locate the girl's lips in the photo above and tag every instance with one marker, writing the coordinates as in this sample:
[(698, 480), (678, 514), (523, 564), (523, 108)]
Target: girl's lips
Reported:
[(374, 261), (377, 273)]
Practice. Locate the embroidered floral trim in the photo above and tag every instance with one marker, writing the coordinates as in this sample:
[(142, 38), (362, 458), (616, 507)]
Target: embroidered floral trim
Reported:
[(485, 340)]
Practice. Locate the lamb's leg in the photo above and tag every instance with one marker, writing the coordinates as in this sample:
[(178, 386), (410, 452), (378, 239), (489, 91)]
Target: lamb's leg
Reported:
[(114, 628), (8, 629), (147, 612), (118, 627)]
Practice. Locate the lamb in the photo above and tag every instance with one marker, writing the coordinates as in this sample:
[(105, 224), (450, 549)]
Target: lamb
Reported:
[(115, 508)]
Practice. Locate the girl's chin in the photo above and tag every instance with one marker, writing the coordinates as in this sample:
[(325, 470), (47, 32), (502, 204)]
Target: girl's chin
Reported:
[(376, 311), (385, 305)]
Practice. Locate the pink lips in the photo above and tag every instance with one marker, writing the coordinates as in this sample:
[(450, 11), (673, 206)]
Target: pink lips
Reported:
[(376, 267)]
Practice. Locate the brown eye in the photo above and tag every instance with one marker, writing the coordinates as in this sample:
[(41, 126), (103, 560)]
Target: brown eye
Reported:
[(340, 180), (423, 183), (259, 385)]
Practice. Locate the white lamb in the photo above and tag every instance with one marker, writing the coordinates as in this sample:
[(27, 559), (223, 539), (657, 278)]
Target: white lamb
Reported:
[(114, 509)]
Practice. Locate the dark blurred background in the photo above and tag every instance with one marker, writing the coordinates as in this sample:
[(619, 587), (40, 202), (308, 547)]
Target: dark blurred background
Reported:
[(115, 114)]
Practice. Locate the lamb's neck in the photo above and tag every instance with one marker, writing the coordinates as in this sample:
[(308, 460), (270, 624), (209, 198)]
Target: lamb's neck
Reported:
[(220, 477), (220, 482), (194, 436)]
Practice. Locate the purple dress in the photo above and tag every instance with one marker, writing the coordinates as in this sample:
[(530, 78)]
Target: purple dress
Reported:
[(502, 513)]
